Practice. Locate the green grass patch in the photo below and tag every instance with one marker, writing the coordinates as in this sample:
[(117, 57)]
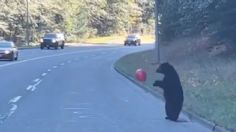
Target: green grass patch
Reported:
[(209, 82)]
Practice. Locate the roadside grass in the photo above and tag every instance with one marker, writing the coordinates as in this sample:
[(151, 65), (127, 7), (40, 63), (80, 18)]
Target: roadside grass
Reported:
[(117, 39), (209, 82)]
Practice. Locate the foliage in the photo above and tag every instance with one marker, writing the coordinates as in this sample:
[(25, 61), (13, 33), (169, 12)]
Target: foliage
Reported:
[(213, 18), (83, 18)]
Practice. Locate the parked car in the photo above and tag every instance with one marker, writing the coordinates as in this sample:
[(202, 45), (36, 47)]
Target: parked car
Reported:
[(133, 39), (54, 40), (8, 50)]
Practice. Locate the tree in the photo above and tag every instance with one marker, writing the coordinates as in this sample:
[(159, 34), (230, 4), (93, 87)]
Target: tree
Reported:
[(181, 18), (82, 18)]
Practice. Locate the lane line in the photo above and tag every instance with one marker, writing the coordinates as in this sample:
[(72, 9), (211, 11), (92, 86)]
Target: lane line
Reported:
[(36, 80), (76, 108), (29, 87), (12, 110), (16, 99), (54, 67), (62, 64), (44, 74), (49, 70), (35, 85), (14, 107), (33, 88)]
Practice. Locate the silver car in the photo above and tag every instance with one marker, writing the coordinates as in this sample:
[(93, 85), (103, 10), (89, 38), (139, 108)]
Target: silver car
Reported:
[(8, 50)]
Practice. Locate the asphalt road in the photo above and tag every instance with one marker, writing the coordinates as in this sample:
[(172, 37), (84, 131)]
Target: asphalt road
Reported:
[(77, 90)]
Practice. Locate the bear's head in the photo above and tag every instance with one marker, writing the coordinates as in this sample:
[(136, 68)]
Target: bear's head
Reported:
[(164, 68)]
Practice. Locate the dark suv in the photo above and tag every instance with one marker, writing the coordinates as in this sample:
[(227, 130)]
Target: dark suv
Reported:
[(54, 40)]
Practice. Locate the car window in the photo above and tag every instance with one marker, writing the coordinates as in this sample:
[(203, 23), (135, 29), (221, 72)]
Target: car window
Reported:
[(131, 36), (6, 45), (50, 36)]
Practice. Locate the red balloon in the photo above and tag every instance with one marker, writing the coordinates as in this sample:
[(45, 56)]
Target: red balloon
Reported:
[(141, 75)]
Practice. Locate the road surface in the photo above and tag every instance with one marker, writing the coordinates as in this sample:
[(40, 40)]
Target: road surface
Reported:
[(77, 90)]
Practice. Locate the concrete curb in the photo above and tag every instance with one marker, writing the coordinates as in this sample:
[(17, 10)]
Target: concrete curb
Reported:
[(193, 117)]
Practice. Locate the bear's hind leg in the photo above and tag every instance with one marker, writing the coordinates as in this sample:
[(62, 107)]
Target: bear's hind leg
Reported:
[(171, 112), (176, 109), (168, 110)]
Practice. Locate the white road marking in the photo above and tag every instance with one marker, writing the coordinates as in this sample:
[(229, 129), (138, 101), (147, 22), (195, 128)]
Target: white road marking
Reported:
[(35, 85), (12, 110), (86, 116), (76, 108), (50, 56), (54, 67), (36, 80), (33, 88), (62, 64), (29, 87), (44, 74), (14, 107), (49, 70), (16, 99)]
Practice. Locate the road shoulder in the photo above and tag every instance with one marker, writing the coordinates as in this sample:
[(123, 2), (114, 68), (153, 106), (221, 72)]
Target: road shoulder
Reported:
[(193, 117)]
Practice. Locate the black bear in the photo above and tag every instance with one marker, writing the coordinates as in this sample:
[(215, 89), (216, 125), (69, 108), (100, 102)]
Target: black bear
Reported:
[(173, 92)]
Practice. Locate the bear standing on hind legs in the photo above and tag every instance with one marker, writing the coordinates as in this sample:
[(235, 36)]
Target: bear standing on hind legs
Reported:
[(173, 92)]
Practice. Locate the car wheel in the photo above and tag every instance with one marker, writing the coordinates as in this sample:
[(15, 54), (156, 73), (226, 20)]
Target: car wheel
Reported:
[(62, 46), (56, 46), (41, 47), (12, 57), (16, 58)]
